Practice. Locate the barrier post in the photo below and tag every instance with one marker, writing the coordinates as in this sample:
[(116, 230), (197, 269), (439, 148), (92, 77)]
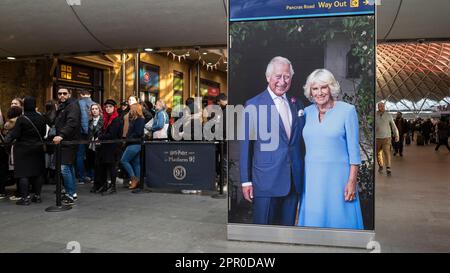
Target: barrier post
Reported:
[(59, 206), (220, 195)]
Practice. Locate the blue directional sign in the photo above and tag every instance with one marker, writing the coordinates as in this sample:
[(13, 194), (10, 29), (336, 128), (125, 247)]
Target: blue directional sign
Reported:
[(249, 10)]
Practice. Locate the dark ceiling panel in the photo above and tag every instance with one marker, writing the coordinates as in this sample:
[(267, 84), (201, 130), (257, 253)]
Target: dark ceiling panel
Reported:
[(422, 19), (142, 23), (42, 27), (36, 28)]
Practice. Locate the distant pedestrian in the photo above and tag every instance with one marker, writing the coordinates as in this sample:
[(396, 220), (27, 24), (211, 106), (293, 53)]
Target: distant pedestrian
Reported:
[(384, 129), (443, 133)]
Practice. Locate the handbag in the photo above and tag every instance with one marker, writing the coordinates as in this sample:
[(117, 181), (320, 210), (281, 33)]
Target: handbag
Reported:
[(44, 145)]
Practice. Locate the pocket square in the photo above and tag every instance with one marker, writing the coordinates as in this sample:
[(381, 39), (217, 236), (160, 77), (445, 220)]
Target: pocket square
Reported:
[(301, 113)]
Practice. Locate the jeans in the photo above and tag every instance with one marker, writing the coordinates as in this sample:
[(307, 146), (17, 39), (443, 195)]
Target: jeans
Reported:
[(68, 174), (81, 155), (131, 160)]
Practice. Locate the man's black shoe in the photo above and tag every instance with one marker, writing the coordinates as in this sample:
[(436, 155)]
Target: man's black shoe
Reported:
[(23, 202), (67, 200), (36, 199)]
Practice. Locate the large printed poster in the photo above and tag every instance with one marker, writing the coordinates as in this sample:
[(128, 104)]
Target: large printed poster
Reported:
[(148, 82), (304, 70)]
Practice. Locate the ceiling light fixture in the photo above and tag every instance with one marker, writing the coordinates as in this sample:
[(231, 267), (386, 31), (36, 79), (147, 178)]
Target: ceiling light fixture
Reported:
[(10, 58), (204, 53), (148, 49)]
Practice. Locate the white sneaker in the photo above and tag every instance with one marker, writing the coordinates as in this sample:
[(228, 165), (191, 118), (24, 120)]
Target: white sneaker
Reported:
[(14, 198)]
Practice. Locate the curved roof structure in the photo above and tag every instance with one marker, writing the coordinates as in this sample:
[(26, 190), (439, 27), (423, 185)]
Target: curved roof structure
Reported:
[(413, 71)]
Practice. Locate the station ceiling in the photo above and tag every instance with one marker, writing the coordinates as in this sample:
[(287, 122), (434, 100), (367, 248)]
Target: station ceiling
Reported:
[(43, 27), (37, 28)]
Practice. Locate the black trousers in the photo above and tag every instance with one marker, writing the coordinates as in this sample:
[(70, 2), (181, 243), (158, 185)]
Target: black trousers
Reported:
[(36, 186), (442, 142), (398, 146), (426, 138), (103, 169)]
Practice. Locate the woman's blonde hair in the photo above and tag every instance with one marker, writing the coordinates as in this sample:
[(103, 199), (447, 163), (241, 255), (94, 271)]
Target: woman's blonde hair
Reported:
[(99, 109), (163, 104), (136, 111), (322, 76)]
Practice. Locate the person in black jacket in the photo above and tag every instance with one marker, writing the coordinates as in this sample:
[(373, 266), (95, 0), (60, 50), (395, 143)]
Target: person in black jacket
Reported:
[(108, 154), (443, 133), (29, 157), (67, 125), (402, 126)]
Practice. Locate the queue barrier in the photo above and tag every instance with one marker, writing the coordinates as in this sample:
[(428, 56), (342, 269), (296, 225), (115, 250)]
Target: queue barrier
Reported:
[(60, 207)]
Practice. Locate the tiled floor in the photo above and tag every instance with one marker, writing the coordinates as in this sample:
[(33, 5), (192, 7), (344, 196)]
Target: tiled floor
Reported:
[(412, 215)]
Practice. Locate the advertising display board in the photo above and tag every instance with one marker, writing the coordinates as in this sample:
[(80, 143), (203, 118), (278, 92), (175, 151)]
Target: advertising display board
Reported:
[(304, 170), (185, 166), (148, 82)]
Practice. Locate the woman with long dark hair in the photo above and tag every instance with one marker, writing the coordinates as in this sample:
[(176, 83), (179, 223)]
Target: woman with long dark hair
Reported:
[(50, 115)]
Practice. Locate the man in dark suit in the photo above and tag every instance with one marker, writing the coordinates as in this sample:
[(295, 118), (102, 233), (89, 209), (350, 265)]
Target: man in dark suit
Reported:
[(272, 177)]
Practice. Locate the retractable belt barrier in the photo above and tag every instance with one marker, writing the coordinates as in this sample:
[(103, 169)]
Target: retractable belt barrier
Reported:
[(60, 207)]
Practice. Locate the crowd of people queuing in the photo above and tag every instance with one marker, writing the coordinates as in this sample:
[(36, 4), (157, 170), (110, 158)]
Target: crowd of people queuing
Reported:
[(397, 132), (28, 161)]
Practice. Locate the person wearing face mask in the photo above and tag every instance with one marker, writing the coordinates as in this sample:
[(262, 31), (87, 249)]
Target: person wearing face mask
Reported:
[(332, 157)]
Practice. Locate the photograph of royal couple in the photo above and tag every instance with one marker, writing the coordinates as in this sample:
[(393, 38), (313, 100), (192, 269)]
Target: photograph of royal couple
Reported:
[(310, 180)]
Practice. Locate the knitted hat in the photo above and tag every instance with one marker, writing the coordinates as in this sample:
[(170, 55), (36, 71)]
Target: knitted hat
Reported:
[(110, 102)]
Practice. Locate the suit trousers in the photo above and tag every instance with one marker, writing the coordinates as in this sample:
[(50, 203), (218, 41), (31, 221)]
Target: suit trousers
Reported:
[(276, 210)]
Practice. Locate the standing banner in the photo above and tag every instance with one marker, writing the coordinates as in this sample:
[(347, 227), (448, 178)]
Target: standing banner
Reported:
[(303, 172), (184, 166)]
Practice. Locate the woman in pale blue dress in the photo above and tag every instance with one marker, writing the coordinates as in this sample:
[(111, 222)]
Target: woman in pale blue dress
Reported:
[(331, 133)]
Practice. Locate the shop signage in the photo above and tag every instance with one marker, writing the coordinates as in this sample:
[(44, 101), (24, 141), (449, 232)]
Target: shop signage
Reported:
[(244, 10), (75, 74)]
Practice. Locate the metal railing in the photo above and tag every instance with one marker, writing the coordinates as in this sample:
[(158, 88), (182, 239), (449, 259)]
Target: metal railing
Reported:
[(60, 207)]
